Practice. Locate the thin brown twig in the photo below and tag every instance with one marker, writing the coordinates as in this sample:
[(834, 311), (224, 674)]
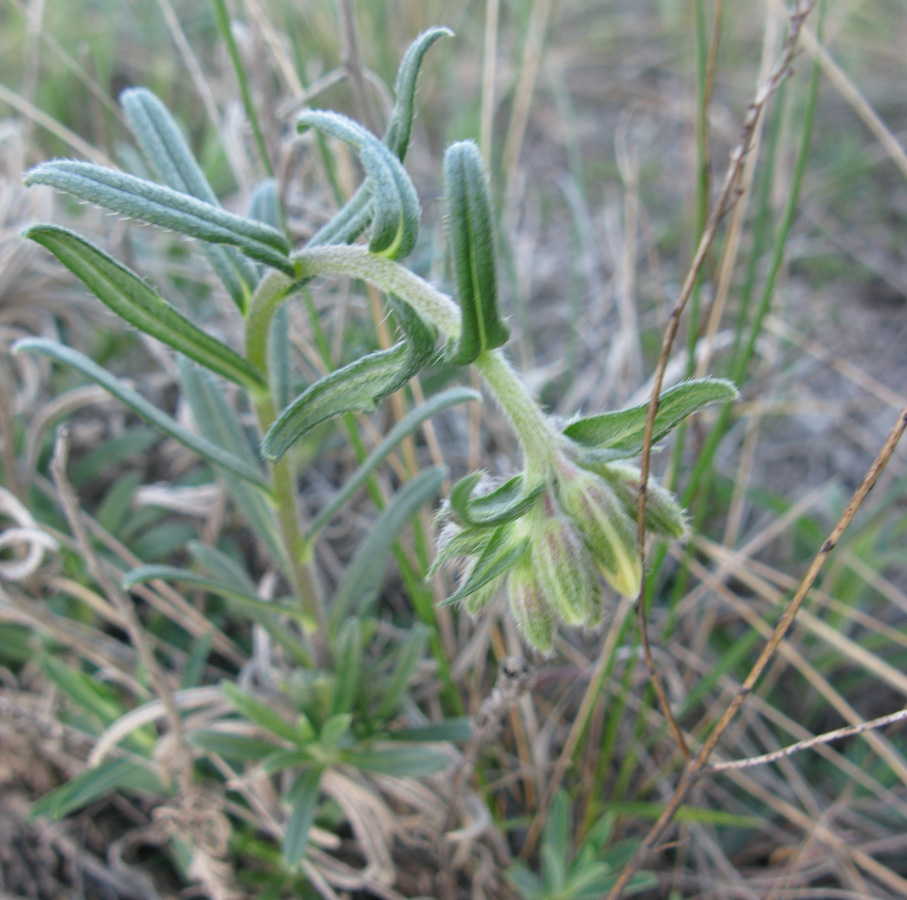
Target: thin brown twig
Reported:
[(790, 750), (698, 766), (726, 199)]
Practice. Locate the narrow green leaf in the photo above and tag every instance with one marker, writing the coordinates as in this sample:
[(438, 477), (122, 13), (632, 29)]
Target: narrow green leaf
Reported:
[(215, 419), (409, 655), (221, 567), (365, 573), (524, 882), (141, 407), (159, 205), (395, 211), (556, 841), (356, 387), (504, 504), (500, 554), (620, 433), (169, 155), (303, 798), (406, 426), (97, 782), (231, 746), (354, 217), (258, 711), (348, 667), (400, 125), (454, 731), (471, 233), (132, 299), (402, 762), (244, 601), (264, 204), (98, 699), (335, 729)]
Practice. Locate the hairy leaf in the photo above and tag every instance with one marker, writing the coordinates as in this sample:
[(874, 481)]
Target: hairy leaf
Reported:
[(356, 387), (619, 434), (400, 124), (395, 211), (303, 799), (97, 782), (243, 600), (471, 233), (402, 762), (504, 504), (159, 205), (501, 552), (133, 300), (169, 155), (215, 419)]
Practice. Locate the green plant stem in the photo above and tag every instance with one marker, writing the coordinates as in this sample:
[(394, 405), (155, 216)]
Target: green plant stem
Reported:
[(537, 437), (532, 427)]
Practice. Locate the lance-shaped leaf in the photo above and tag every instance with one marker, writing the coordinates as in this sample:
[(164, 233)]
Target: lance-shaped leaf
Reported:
[(619, 434), (505, 503), (400, 125), (97, 782), (471, 233), (395, 209), (132, 299), (365, 573), (406, 426), (139, 405), (303, 798), (501, 553), (357, 387), (159, 205), (353, 218), (169, 155)]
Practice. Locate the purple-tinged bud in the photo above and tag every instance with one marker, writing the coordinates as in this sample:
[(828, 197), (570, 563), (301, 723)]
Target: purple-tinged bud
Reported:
[(529, 607)]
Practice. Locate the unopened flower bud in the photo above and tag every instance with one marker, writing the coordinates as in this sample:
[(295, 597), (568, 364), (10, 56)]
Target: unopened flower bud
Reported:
[(609, 532), (664, 515), (565, 569), (529, 606)]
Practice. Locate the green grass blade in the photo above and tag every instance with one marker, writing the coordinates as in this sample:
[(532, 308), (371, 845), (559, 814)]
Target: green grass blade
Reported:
[(223, 24), (141, 407), (159, 205)]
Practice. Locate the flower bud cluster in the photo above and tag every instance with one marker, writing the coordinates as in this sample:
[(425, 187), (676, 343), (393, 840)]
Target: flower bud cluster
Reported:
[(551, 558)]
